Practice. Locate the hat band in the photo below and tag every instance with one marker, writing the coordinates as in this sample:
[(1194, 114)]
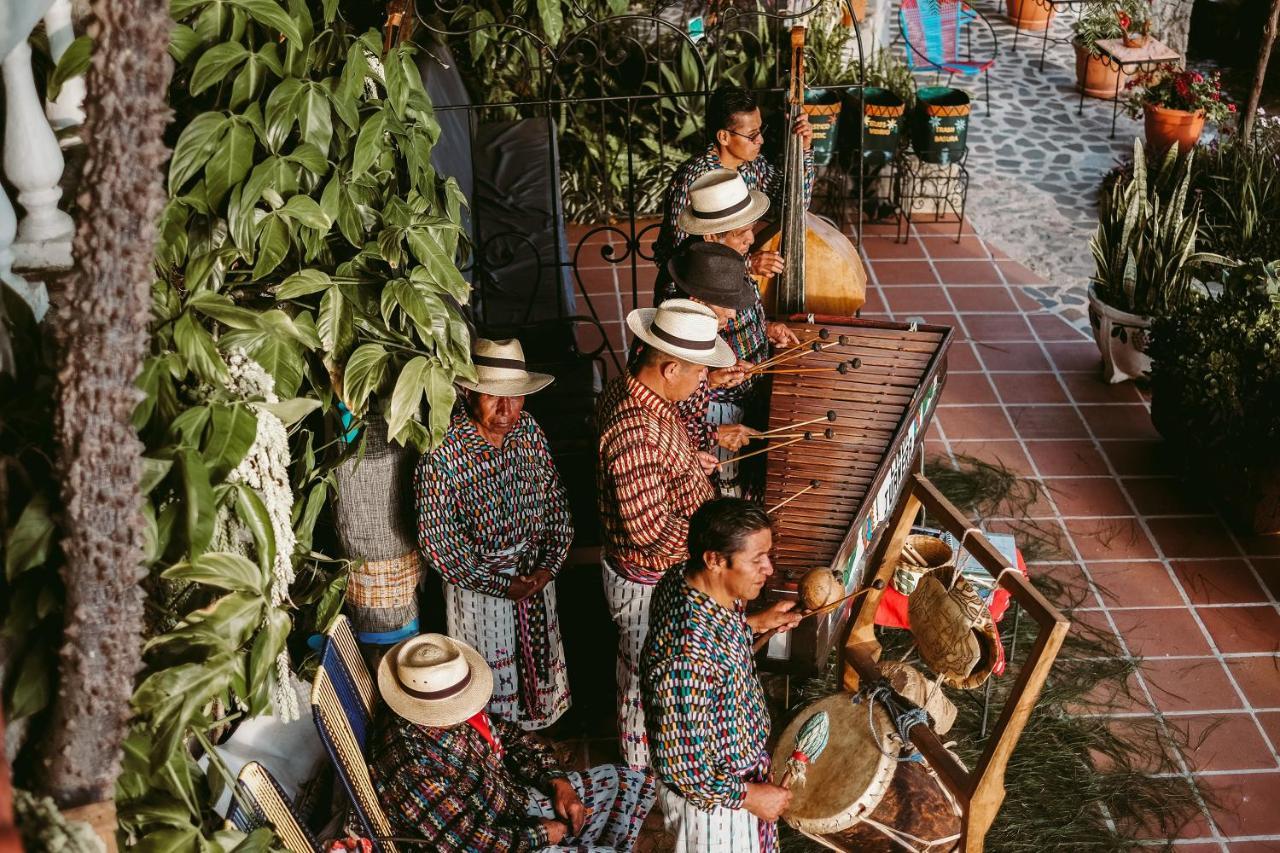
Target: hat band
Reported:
[(723, 212), (663, 335), (438, 694), (490, 361)]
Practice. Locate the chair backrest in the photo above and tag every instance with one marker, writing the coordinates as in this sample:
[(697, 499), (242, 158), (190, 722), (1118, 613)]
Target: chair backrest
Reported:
[(262, 802), (342, 702), (931, 29)]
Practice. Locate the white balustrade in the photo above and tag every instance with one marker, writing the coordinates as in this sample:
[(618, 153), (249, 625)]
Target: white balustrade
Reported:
[(68, 109)]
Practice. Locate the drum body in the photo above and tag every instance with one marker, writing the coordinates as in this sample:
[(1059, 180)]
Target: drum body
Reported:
[(915, 805), (851, 776)]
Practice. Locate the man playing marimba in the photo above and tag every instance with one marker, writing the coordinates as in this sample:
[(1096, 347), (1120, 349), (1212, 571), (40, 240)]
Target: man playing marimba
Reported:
[(704, 708), (651, 479)]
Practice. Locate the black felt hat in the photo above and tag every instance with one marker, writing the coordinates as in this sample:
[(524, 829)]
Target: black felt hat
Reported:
[(714, 274)]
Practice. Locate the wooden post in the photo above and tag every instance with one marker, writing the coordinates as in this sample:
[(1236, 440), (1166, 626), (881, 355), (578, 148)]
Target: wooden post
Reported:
[(1260, 75)]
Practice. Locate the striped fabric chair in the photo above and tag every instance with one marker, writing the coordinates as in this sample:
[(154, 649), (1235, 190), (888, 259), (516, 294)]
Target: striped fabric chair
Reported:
[(342, 703), (933, 31), (261, 802)]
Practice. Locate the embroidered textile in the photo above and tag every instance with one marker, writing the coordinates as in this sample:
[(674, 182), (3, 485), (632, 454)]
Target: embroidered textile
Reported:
[(628, 604), (719, 830), (486, 514), (704, 709), (382, 598), (618, 799), (759, 174), (649, 481)]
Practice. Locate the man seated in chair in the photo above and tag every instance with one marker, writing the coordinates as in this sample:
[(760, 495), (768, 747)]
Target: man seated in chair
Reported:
[(465, 782)]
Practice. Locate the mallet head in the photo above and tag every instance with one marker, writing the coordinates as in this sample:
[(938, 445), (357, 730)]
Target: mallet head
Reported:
[(831, 414), (855, 363), (824, 333)]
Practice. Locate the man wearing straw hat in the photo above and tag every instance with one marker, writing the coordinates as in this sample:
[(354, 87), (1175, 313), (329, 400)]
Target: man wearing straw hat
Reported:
[(704, 708), (493, 519), (651, 479), (448, 773)]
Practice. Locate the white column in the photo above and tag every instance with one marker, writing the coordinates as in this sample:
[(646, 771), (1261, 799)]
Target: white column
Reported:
[(32, 160), (35, 294), (68, 109)]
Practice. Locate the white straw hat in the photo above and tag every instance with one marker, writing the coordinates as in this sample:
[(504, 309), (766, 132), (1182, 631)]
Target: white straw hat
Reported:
[(434, 680), (500, 370), (685, 329), (719, 201)]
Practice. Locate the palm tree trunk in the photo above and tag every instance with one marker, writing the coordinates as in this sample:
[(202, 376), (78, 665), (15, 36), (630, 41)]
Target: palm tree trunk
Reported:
[(1260, 76), (101, 331)]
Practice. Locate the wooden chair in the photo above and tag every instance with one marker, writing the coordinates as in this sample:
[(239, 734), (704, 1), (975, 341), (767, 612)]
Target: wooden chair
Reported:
[(933, 31), (979, 792), (260, 802)]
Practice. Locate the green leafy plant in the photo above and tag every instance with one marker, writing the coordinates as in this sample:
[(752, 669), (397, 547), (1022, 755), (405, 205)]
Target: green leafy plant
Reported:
[(886, 71), (1179, 89), (1108, 20), (1237, 182), (1145, 246), (831, 55)]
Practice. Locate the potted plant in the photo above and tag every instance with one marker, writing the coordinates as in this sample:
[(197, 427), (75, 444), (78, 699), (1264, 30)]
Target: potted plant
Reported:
[(1097, 77), (1145, 253), (1175, 104), (830, 66), (1215, 388), (1030, 14)]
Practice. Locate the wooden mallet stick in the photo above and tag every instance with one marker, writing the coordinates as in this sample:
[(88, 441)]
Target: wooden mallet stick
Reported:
[(763, 639), (742, 456), (813, 484), (795, 353), (829, 416), (842, 368), (822, 335), (827, 433)]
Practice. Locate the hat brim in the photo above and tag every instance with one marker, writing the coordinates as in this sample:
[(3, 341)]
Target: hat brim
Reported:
[(744, 299), (510, 387), (691, 224), (721, 355), (440, 713)]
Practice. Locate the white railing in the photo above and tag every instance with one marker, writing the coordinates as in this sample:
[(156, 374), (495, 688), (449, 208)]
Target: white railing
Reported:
[(38, 242)]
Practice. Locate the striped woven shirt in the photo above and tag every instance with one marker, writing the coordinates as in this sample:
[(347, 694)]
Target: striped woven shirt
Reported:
[(704, 709), (649, 481), (759, 174), (453, 788), (483, 510)]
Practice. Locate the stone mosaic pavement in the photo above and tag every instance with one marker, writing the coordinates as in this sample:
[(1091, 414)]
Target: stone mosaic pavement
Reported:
[(1035, 164)]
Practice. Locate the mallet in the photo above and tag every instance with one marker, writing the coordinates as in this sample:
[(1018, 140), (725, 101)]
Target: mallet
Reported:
[(741, 456), (842, 368), (829, 416), (796, 352), (813, 484), (764, 638), (823, 334)]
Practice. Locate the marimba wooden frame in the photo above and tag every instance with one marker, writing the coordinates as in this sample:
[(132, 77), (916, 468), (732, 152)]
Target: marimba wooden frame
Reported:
[(979, 792)]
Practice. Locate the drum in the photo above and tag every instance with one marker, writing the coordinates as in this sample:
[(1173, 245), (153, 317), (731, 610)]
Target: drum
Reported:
[(848, 780), (916, 808)]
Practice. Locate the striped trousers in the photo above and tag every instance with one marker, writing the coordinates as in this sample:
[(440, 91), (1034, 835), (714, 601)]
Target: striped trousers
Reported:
[(618, 799), (629, 606), (718, 831)]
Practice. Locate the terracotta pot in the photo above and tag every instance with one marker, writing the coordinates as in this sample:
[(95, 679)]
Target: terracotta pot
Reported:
[(1096, 77), (1122, 339), (1029, 14), (1165, 127)]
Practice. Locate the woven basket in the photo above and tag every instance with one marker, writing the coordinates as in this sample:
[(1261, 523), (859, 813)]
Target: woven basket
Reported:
[(936, 554)]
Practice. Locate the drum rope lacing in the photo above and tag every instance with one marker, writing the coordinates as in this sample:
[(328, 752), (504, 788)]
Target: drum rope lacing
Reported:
[(904, 719)]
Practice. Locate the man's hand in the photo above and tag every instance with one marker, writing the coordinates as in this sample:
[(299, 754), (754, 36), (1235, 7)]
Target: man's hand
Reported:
[(728, 377), (708, 461), (804, 130), (556, 830), (766, 802), (567, 805), (764, 263), (780, 335), (781, 615), (523, 586), (735, 436)]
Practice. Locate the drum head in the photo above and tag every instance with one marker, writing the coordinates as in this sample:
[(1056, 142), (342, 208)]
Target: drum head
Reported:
[(851, 775)]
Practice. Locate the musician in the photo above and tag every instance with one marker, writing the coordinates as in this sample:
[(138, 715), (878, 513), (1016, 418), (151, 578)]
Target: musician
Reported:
[(704, 708), (733, 117), (651, 479), (446, 772), (493, 519)]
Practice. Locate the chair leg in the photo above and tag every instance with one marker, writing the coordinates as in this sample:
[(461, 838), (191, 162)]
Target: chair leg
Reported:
[(986, 81)]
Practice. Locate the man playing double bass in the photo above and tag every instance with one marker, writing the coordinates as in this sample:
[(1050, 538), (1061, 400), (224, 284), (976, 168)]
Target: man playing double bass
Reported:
[(737, 128)]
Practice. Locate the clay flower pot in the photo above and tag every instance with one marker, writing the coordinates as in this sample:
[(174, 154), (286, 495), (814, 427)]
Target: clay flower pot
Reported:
[(1165, 127), (1029, 14), (1097, 77)]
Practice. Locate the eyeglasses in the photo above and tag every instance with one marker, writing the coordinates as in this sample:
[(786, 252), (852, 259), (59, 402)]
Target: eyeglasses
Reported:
[(753, 136)]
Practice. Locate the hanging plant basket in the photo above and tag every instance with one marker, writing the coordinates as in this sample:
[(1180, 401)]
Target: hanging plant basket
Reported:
[(882, 115), (940, 124), (823, 108)]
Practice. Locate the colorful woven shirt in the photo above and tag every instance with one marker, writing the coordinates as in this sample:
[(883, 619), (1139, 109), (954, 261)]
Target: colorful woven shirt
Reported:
[(452, 788), (649, 481), (704, 709), (485, 511), (759, 174)]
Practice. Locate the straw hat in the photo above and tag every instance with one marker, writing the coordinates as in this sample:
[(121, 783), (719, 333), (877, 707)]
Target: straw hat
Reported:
[(685, 329), (434, 680), (713, 273), (719, 201), (500, 370)]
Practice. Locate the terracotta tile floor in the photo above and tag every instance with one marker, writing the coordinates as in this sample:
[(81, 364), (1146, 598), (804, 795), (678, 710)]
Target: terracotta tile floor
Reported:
[(1149, 562)]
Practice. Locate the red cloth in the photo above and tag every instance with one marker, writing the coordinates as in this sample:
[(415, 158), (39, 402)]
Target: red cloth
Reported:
[(892, 612), (480, 722)]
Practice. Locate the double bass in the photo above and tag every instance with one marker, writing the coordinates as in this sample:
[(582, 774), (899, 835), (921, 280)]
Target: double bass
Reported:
[(822, 272)]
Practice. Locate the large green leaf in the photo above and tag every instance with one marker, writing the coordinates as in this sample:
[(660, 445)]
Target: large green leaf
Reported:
[(335, 323), (273, 244), (196, 144), (262, 659), (365, 372), (306, 211), (369, 144), (215, 64), (552, 17), (441, 396), (26, 545), (221, 627), (406, 398), (173, 697), (200, 506), (303, 283), (73, 63), (220, 307), (197, 349), (221, 570), (268, 12), (315, 122), (280, 113), (233, 431), (32, 688), (292, 410)]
